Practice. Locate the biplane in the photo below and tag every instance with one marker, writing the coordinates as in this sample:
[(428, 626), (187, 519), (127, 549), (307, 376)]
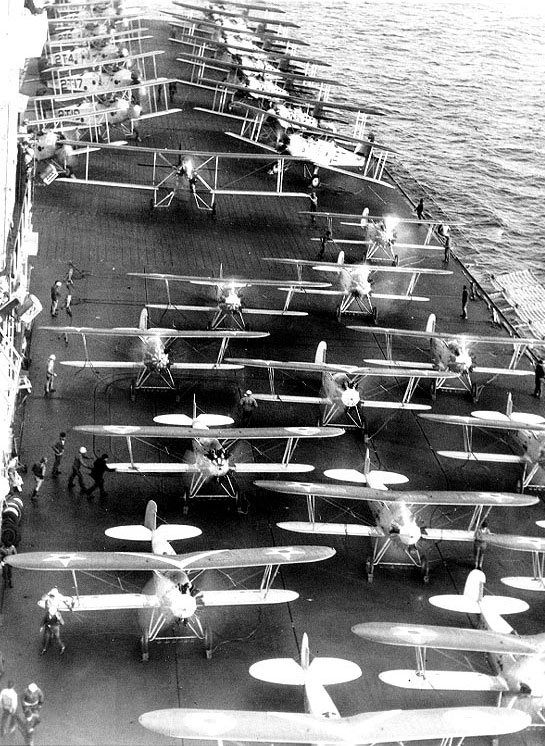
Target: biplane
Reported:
[(356, 283), (454, 353), (170, 607), (230, 306), (340, 396), (154, 370), (517, 661), (322, 721), (212, 457), (398, 534), (528, 430)]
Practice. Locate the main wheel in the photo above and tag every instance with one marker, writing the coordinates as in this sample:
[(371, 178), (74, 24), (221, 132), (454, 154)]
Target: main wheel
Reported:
[(433, 390), (396, 261), (185, 506), (132, 392), (144, 645), (208, 638), (474, 393), (374, 314), (338, 313), (369, 570), (425, 569)]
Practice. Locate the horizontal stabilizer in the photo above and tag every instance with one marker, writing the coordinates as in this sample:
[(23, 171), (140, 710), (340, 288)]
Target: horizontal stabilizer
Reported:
[(208, 420), (366, 728), (167, 532), (491, 458), (455, 602), (525, 584), (455, 681), (324, 671), (331, 529), (247, 597)]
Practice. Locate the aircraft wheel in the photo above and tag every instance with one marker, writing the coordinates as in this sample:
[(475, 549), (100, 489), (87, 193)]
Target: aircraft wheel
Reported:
[(396, 261), (144, 644), (242, 504), (425, 569), (519, 487), (374, 313), (369, 570), (209, 326), (10, 533), (338, 313), (185, 507), (474, 393), (208, 642), (132, 392), (433, 390)]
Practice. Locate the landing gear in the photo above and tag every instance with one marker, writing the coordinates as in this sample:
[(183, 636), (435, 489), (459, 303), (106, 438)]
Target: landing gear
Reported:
[(396, 261), (185, 506), (208, 642), (338, 313), (433, 390), (520, 486), (474, 393), (369, 569), (144, 645), (132, 392), (374, 314), (425, 569)]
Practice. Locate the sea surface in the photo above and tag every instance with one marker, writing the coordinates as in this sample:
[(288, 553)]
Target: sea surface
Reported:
[(462, 87)]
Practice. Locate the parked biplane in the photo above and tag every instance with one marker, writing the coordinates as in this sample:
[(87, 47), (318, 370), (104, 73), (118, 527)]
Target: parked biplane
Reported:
[(397, 526), (454, 353), (322, 722), (356, 283), (528, 430), (517, 661), (155, 369), (212, 455), (340, 395), (169, 606), (230, 306)]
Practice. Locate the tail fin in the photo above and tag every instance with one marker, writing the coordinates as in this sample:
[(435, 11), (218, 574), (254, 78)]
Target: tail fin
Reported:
[(470, 601), (340, 258), (367, 462), (509, 405), (143, 322), (305, 653), (430, 325), (321, 351), (150, 519)]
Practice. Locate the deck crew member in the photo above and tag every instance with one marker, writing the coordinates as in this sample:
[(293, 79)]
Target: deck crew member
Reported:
[(77, 465), (98, 470), (8, 703), (479, 544), (58, 450), (247, 403), (55, 297), (50, 375), (419, 209), (539, 376)]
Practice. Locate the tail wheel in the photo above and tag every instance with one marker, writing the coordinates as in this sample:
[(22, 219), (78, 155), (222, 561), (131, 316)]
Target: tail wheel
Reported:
[(185, 506), (433, 390), (208, 639), (144, 645), (425, 569)]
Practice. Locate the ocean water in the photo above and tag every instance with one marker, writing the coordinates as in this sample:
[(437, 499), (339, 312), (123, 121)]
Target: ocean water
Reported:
[(462, 85)]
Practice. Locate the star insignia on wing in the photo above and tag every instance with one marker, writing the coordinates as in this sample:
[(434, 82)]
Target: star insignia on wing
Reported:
[(64, 559), (286, 552)]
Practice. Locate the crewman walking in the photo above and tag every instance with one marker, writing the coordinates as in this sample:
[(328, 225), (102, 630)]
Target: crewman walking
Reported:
[(50, 375), (539, 375), (38, 471), (58, 450), (55, 297), (8, 703), (77, 465), (247, 403), (465, 299), (99, 468)]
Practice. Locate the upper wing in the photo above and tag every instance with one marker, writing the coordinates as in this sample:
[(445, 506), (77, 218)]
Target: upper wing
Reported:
[(231, 281), (435, 497), (506, 424), (214, 559), (310, 367), (475, 338), (446, 638), (236, 433), (517, 543), (124, 365), (366, 728), (123, 331)]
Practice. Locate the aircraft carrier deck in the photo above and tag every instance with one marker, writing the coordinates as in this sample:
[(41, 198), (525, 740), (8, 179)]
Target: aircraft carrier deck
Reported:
[(96, 691)]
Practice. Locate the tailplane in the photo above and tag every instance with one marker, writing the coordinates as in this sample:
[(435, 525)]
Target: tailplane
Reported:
[(159, 537), (340, 258), (143, 321)]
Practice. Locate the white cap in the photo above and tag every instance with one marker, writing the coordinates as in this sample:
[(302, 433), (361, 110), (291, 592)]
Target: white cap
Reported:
[(59, 283), (52, 357), (248, 393), (32, 688), (83, 449)]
